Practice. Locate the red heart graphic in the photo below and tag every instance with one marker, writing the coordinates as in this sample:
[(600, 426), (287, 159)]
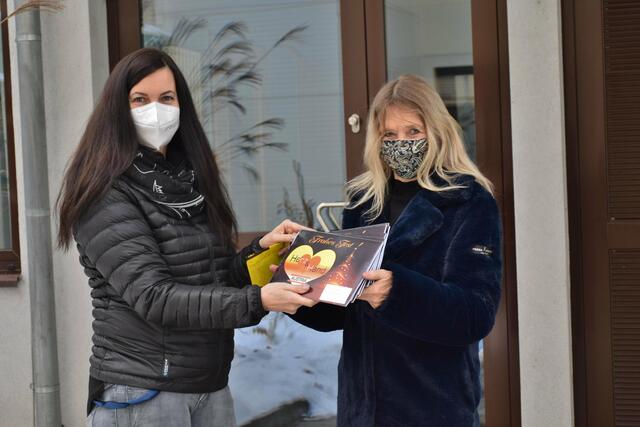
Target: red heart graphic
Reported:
[(302, 265)]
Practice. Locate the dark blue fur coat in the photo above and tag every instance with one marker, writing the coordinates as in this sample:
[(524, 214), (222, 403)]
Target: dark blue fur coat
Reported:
[(414, 360)]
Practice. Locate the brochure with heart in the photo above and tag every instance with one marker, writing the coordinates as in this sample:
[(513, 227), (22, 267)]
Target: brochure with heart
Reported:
[(333, 263)]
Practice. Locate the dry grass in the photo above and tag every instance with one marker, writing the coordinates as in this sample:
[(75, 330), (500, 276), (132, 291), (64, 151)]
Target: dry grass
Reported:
[(46, 5)]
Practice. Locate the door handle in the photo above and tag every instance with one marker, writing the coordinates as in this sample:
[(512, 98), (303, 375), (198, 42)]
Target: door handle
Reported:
[(354, 122)]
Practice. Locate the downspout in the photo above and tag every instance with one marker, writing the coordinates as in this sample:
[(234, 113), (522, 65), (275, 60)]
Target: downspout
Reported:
[(44, 352)]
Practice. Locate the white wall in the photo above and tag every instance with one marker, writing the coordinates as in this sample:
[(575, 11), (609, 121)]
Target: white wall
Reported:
[(75, 58), (540, 202), (16, 398), (75, 61), (15, 356)]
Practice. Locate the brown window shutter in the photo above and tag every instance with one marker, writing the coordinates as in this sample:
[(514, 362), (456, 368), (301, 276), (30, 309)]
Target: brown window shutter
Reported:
[(622, 81), (625, 334), (622, 127), (601, 48)]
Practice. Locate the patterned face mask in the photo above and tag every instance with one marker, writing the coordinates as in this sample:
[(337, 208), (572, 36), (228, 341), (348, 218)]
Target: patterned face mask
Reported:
[(404, 156)]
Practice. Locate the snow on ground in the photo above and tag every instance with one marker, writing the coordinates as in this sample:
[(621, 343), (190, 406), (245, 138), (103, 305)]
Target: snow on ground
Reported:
[(279, 361)]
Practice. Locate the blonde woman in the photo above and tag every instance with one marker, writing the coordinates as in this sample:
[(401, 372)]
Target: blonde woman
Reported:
[(410, 348)]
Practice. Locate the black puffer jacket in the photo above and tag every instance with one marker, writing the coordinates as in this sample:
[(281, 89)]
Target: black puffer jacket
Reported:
[(166, 294)]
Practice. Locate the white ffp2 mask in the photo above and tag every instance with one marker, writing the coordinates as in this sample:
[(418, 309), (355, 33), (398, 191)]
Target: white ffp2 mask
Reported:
[(156, 123)]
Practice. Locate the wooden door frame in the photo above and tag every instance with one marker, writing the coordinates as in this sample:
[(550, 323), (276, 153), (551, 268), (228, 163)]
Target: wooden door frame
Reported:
[(356, 88), (493, 125), (575, 221), (123, 16), (364, 72), (10, 266), (586, 179)]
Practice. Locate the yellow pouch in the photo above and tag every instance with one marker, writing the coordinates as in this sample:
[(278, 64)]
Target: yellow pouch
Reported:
[(258, 265)]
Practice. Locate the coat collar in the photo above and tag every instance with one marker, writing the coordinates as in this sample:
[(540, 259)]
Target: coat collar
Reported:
[(423, 215)]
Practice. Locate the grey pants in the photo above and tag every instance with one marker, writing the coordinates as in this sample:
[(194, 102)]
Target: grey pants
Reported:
[(166, 409)]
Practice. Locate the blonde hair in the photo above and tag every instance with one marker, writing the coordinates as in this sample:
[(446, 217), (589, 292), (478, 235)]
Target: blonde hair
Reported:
[(445, 156)]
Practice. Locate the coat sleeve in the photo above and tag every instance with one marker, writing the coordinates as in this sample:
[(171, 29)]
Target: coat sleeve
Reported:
[(460, 309), (321, 317), (116, 239)]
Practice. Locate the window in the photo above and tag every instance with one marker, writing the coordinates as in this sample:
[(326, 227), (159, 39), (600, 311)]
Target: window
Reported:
[(9, 243), (266, 80)]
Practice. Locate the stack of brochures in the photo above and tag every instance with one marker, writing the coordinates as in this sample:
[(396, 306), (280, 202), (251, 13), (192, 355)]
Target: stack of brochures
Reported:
[(332, 263)]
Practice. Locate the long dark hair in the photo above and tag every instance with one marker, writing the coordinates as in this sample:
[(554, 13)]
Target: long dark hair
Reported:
[(109, 144)]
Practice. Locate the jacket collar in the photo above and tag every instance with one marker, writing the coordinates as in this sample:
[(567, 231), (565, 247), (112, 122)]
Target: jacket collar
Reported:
[(423, 215)]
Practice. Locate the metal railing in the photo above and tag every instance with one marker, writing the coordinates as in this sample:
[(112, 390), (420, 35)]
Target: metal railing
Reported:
[(326, 210)]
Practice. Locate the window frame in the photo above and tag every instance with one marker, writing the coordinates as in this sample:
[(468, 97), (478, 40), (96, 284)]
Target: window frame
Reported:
[(10, 267)]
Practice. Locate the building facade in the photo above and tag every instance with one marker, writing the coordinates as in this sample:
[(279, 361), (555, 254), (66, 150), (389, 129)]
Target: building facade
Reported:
[(544, 94)]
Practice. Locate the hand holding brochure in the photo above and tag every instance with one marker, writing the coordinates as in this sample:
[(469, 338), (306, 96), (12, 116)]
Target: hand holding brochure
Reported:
[(333, 263)]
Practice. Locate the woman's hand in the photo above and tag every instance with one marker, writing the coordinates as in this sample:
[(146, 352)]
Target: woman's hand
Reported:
[(285, 232), (376, 293), (284, 297)]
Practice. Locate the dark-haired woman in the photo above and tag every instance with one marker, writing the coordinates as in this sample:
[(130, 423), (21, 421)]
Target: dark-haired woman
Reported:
[(144, 200)]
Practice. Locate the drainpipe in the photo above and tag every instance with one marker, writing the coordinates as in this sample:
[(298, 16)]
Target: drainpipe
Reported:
[(44, 352)]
